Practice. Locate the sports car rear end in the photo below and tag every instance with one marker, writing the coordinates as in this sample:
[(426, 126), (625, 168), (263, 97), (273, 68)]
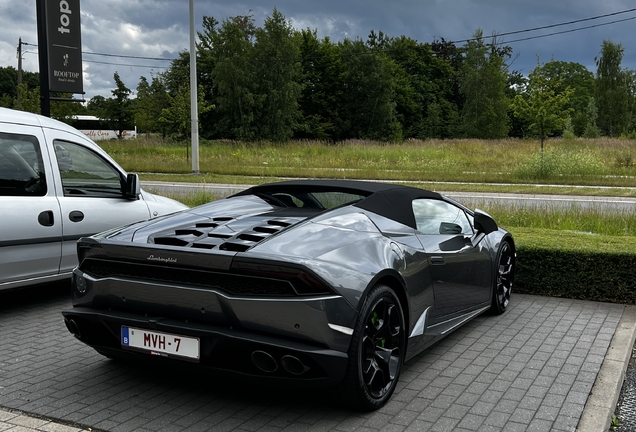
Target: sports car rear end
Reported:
[(186, 289)]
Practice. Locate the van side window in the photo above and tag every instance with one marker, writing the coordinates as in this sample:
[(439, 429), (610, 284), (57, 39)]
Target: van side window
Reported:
[(21, 168), (85, 173), (439, 217)]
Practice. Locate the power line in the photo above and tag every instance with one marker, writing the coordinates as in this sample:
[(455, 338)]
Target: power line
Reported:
[(571, 30), (124, 64), (127, 56), (562, 24), (115, 55), (453, 42)]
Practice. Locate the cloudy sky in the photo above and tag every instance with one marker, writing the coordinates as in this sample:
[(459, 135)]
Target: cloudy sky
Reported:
[(159, 28)]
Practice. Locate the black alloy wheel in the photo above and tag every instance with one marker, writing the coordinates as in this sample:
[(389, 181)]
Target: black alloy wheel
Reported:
[(377, 350), (504, 278)]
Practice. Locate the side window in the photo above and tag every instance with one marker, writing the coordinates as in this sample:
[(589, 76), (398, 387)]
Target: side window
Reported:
[(21, 167), (439, 217), (85, 173)]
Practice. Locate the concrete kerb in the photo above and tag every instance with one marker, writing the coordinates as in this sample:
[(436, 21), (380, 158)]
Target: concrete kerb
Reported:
[(601, 404), (18, 421)]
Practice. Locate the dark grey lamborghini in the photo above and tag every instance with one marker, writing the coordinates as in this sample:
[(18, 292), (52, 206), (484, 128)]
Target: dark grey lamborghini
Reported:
[(323, 282)]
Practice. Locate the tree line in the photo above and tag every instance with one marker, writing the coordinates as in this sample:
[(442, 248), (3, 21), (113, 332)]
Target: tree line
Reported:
[(277, 83)]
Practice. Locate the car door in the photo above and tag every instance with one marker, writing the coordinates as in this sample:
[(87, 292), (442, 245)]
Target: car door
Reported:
[(460, 271), (30, 216), (92, 196)]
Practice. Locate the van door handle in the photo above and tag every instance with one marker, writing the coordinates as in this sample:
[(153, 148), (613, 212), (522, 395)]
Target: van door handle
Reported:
[(437, 260), (76, 216), (46, 218)]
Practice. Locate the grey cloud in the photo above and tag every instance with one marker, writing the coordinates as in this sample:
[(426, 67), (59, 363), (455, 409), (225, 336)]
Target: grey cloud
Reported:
[(156, 28)]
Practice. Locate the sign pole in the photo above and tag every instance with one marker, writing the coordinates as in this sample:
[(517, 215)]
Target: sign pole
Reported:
[(43, 58)]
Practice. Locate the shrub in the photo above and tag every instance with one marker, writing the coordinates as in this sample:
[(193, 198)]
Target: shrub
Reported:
[(576, 265), (596, 276)]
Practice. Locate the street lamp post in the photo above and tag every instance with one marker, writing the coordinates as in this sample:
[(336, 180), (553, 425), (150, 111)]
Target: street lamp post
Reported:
[(194, 116)]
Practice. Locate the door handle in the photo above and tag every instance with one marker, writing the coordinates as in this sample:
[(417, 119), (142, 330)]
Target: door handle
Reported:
[(46, 218), (76, 216), (437, 260)]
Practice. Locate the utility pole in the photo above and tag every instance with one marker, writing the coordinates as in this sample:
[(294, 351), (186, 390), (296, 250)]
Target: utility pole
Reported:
[(19, 71), (19, 61)]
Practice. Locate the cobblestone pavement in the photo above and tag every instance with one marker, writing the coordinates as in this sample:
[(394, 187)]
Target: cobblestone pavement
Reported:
[(530, 369)]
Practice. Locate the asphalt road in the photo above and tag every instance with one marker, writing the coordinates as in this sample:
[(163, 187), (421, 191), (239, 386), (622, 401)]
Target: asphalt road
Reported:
[(472, 199)]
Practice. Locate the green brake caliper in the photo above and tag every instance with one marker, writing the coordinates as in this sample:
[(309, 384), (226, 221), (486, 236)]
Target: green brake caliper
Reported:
[(374, 320)]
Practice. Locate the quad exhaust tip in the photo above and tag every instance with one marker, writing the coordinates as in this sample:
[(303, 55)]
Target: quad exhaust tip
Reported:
[(264, 361), (72, 326), (292, 365), (267, 363)]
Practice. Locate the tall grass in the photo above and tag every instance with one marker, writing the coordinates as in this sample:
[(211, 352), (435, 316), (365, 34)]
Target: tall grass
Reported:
[(603, 161), (575, 218), (584, 162)]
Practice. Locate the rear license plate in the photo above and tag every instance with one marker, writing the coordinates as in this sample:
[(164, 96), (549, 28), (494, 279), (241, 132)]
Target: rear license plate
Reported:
[(160, 344)]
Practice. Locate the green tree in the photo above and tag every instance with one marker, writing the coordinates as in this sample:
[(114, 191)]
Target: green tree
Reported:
[(96, 106), (206, 63), (65, 111), (232, 47), (544, 110), (483, 78), (9, 81), (29, 99), (630, 78), (515, 84), (6, 101), (591, 129), (176, 118), (611, 90), (562, 75), (321, 87), (452, 55), (423, 87), (278, 71), (368, 110), (120, 108), (177, 76), (152, 98), (9, 85)]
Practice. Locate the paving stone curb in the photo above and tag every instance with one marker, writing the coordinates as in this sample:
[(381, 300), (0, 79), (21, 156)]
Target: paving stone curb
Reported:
[(17, 421), (601, 404)]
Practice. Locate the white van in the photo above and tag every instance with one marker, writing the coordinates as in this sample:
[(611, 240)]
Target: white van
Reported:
[(56, 186)]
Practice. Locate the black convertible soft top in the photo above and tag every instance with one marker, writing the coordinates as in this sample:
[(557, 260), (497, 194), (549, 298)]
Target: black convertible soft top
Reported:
[(389, 200)]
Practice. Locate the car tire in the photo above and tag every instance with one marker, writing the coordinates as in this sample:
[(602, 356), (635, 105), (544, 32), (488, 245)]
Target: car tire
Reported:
[(377, 350), (504, 278)]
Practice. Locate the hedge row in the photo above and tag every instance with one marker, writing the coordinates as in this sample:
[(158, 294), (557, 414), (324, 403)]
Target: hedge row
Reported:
[(558, 264)]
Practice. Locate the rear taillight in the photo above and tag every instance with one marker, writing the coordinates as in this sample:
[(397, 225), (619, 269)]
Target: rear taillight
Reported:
[(303, 282)]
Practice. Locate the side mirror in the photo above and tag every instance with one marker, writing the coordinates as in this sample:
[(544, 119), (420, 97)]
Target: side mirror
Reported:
[(449, 228), (132, 190), (484, 223)]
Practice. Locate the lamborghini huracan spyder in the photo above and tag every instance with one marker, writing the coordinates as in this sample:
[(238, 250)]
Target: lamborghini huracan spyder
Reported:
[(324, 282)]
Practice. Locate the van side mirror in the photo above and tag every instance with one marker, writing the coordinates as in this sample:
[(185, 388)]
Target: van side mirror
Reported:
[(132, 189), (484, 223)]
